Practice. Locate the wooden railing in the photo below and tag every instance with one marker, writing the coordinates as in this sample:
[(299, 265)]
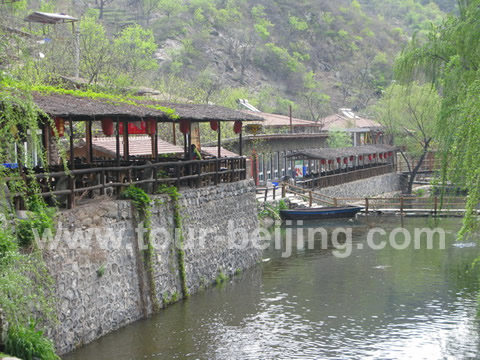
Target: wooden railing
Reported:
[(308, 195), (433, 205), (70, 186), (345, 177)]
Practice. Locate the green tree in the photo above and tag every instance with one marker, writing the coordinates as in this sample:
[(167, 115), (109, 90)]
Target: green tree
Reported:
[(338, 138), (95, 50), (134, 50), (451, 59), (408, 115)]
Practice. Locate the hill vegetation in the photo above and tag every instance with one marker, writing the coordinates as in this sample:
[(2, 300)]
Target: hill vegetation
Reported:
[(316, 55)]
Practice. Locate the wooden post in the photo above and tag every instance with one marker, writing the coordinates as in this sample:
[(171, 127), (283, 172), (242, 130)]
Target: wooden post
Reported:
[(240, 143), (436, 206), (219, 140), (366, 205), (335, 202), (274, 191), (125, 140), (310, 198), (284, 190), (177, 173), (174, 134), (72, 155), (266, 193), (117, 142), (401, 205), (102, 182), (89, 142)]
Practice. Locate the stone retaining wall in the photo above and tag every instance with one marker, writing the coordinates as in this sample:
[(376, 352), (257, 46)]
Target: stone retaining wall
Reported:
[(99, 267), (364, 188)]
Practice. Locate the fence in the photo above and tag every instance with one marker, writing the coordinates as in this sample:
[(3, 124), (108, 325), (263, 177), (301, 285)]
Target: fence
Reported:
[(349, 176), (72, 185)]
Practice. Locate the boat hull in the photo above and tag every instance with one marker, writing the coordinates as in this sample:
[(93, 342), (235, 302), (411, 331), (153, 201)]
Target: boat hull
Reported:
[(320, 213)]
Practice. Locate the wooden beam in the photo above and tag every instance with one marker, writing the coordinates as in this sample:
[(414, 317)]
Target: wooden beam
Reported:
[(117, 139), (89, 142), (72, 155), (219, 140), (125, 140), (156, 141)]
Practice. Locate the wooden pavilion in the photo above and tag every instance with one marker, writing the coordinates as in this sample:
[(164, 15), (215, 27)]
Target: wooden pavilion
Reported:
[(119, 119)]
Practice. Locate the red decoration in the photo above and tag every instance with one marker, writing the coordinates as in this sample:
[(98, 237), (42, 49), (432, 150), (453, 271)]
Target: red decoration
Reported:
[(214, 125), (330, 162), (338, 160), (370, 157), (374, 156), (60, 125), (185, 126), (345, 161), (360, 157), (390, 153), (351, 158), (323, 161), (237, 127), (107, 126), (381, 155)]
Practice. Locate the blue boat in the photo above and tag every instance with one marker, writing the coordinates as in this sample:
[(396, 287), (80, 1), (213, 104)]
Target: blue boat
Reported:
[(332, 212)]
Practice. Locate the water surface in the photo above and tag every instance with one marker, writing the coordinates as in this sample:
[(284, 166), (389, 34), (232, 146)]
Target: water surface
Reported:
[(374, 304)]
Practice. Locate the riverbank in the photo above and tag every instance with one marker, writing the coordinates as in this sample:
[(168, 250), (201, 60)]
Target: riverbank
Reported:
[(103, 279)]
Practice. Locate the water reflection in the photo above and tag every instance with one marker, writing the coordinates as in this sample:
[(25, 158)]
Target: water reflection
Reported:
[(386, 304)]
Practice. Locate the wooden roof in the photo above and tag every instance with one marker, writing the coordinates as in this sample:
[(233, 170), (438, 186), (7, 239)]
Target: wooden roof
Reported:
[(334, 153), (81, 108), (49, 18)]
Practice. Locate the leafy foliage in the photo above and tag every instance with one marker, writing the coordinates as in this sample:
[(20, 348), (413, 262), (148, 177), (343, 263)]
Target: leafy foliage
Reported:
[(450, 60), (29, 344)]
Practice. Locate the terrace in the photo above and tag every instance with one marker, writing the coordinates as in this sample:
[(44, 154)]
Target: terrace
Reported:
[(91, 172)]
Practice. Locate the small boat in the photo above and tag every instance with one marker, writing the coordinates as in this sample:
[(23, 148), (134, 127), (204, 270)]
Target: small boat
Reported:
[(332, 212)]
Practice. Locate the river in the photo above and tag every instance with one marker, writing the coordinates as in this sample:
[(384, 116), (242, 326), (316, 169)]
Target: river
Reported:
[(373, 304)]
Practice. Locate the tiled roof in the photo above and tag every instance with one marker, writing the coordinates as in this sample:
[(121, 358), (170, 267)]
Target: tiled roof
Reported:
[(213, 151), (280, 120), (137, 146), (337, 121)]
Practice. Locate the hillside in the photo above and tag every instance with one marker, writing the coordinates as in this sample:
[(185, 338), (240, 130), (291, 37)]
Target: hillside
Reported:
[(316, 55)]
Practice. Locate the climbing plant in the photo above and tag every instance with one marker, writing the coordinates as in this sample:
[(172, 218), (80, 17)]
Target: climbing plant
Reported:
[(142, 203), (174, 195)]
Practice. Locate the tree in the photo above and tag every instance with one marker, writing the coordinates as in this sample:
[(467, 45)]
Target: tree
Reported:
[(95, 50), (338, 138), (315, 100), (408, 115), (134, 50), (451, 59)]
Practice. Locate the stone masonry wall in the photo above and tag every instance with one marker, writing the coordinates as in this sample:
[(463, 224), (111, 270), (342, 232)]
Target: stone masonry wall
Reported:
[(99, 268), (364, 188)]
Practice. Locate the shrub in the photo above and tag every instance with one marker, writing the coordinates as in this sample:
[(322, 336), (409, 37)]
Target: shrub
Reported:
[(29, 344)]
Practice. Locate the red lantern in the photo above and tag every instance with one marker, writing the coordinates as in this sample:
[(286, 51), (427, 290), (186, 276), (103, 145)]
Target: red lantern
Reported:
[(338, 160), (390, 153), (351, 158), (184, 126), (370, 157), (330, 162), (107, 126), (151, 126), (360, 157), (323, 161), (381, 155), (214, 125), (345, 161), (237, 127), (374, 156), (60, 125)]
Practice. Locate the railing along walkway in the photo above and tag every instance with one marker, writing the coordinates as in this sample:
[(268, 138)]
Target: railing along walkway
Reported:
[(75, 184)]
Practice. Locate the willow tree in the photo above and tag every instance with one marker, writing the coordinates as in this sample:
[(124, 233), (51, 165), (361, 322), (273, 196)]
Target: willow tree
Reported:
[(450, 59), (408, 115)]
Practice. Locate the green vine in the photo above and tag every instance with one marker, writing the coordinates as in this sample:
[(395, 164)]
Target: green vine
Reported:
[(112, 98), (26, 287), (174, 195), (142, 203)]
